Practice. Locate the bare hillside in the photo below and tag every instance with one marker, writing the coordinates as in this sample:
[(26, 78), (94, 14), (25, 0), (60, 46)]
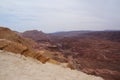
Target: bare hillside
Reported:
[(17, 67)]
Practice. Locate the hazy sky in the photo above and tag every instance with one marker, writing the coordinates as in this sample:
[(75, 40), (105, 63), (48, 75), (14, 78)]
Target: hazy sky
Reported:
[(60, 15)]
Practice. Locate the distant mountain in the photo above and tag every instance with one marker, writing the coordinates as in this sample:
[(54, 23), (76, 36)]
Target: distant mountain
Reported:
[(69, 33), (36, 35), (109, 35)]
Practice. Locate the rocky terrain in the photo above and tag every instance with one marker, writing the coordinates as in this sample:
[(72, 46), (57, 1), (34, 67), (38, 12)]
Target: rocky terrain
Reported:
[(94, 56), (17, 67), (10, 41), (93, 52), (25, 62)]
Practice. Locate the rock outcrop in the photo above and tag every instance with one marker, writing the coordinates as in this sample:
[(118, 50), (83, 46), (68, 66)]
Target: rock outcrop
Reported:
[(12, 42)]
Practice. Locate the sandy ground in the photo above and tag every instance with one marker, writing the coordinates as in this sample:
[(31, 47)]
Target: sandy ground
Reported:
[(17, 67)]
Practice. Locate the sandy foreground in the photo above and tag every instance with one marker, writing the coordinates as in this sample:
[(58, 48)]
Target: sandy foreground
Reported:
[(17, 67)]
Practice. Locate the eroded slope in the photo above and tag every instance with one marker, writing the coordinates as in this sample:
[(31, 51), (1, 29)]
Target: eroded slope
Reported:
[(17, 67)]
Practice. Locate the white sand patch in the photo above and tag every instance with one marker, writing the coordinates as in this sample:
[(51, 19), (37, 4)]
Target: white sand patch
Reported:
[(17, 67)]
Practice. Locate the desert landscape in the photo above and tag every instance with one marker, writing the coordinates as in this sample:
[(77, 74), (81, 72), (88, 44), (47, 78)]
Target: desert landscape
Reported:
[(94, 53), (17, 67), (60, 40)]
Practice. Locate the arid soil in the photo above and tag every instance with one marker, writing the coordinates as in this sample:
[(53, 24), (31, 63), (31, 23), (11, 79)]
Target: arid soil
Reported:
[(17, 67)]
